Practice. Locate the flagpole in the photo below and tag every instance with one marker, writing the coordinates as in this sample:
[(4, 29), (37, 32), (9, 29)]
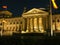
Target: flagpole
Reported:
[(51, 18)]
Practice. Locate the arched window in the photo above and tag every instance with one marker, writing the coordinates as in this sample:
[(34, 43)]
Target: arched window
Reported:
[(53, 20), (10, 22), (58, 20), (13, 22), (17, 22), (13, 28), (10, 28), (20, 22), (0, 23), (7, 28)]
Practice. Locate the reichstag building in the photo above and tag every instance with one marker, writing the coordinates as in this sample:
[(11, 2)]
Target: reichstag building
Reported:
[(32, 21)]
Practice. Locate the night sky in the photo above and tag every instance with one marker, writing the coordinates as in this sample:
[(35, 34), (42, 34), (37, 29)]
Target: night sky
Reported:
[(17, 6)]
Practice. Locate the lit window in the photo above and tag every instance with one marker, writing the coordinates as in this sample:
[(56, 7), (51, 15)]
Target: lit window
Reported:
[(58, 20), (13, 28), (0, 28), (10, 28), (0, 23), (13, 22), (7, 28), (53, 20), (10, 22), (20, 22), (17, 23)]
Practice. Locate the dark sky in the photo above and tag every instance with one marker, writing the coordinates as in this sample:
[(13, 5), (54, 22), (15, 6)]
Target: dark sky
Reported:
[(17, 6)]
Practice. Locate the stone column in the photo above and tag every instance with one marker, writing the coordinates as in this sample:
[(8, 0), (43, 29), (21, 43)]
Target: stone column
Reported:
[(38, 24), (31, 24), (41, 25), (44, 22), (23, 24), (28, 27), (35, 25)]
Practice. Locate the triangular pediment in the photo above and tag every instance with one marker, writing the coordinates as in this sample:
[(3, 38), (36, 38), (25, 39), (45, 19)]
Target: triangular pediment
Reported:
[(35, 10)]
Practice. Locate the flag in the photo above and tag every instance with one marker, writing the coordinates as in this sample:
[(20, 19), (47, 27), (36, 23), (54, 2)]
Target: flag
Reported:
[(54, 4), (4, 6)]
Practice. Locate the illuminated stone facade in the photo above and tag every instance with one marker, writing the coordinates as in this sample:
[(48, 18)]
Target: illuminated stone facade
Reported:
[(56, 22), (32, 21), (10, 25), (35, 20)]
